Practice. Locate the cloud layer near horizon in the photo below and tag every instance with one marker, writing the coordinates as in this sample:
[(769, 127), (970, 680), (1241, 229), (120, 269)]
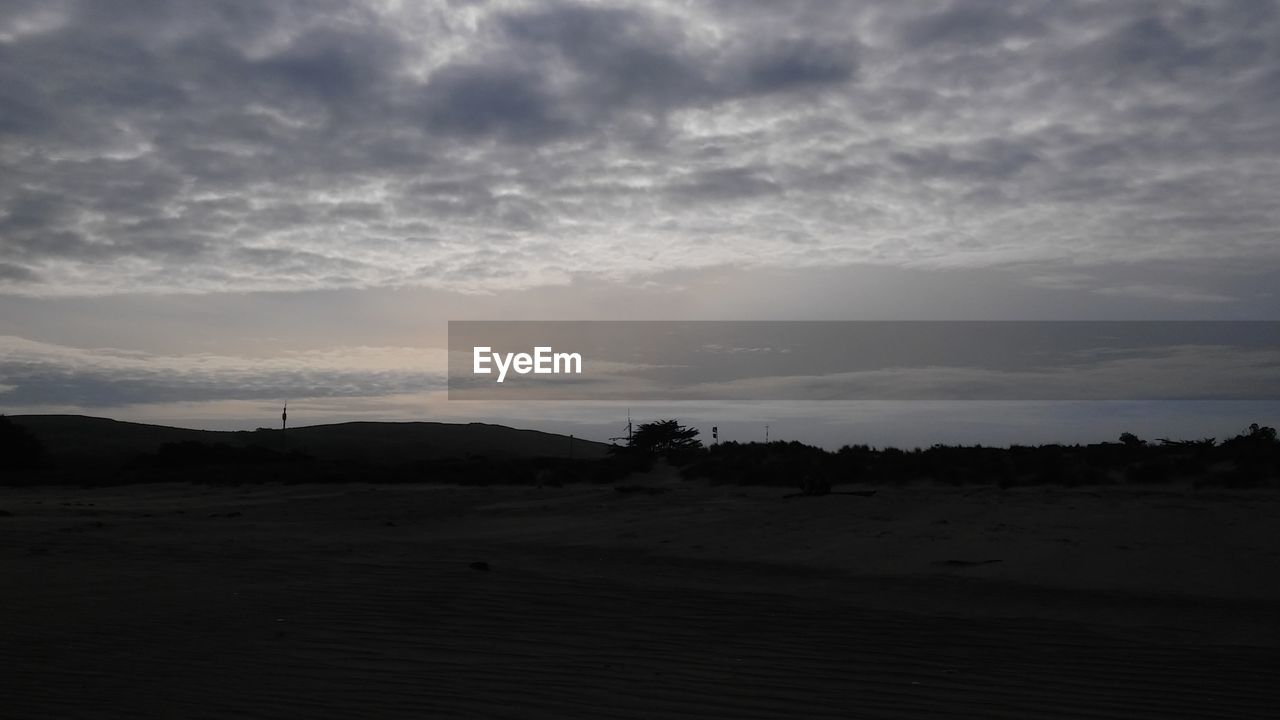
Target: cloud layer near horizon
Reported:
[(35, 374), (189, 146)]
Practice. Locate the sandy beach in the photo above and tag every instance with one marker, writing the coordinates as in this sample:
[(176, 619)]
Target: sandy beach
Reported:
[(676, 600)]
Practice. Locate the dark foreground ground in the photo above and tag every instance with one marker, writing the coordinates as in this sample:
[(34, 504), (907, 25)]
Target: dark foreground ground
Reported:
[(191, 601)]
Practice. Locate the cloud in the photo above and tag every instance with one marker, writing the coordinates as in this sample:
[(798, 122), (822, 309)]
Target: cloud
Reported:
[(231, 146), (1163, 374), (1173, 293), (16, 273), (44, 374), (971, 24)]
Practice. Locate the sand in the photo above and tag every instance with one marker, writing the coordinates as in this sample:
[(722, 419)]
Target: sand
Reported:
[(342, 601)]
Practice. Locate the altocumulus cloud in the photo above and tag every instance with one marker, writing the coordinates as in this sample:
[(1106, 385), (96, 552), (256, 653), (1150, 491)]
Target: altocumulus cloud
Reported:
[(231, 146)]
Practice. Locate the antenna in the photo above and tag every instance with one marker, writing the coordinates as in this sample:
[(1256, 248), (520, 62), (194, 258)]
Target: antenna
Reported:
[(628, 430)]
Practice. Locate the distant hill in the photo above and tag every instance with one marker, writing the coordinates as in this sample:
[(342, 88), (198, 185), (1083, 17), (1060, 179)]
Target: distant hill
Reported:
[(77, 441)]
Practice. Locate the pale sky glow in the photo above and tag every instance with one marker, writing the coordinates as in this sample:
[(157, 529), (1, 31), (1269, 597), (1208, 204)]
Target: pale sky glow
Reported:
[(299, 194)]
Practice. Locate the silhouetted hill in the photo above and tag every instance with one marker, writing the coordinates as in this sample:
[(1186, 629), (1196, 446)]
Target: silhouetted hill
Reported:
[(76, 441)]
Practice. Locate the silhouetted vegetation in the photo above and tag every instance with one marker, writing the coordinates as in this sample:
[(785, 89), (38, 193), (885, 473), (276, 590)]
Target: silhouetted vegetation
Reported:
[(364, 453), (663, 438), (775, 463), (1251, 459)]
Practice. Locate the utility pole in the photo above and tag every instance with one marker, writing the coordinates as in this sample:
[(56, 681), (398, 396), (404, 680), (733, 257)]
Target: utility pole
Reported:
[(284, 415), (614, 439)]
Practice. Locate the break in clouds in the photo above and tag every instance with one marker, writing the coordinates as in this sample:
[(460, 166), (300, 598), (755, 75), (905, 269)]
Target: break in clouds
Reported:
[(234, 146)]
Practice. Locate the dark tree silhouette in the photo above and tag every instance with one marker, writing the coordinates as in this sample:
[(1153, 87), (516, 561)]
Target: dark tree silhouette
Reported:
[(1259, 437), (1130, 440), (664, 436), (1262, 434)]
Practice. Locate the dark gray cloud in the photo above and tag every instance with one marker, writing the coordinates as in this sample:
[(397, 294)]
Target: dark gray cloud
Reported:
[(968, 24), (187, 146), (16, 273), (735, 183), (573, 70)]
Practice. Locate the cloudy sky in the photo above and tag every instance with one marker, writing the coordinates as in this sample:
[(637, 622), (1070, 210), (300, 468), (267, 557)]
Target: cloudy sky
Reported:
[(207, 207)]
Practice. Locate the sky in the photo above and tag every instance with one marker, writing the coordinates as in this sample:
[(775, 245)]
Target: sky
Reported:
[(210, 207)]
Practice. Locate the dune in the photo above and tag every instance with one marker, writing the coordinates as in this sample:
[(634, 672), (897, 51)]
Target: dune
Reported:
[(192, 601)]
